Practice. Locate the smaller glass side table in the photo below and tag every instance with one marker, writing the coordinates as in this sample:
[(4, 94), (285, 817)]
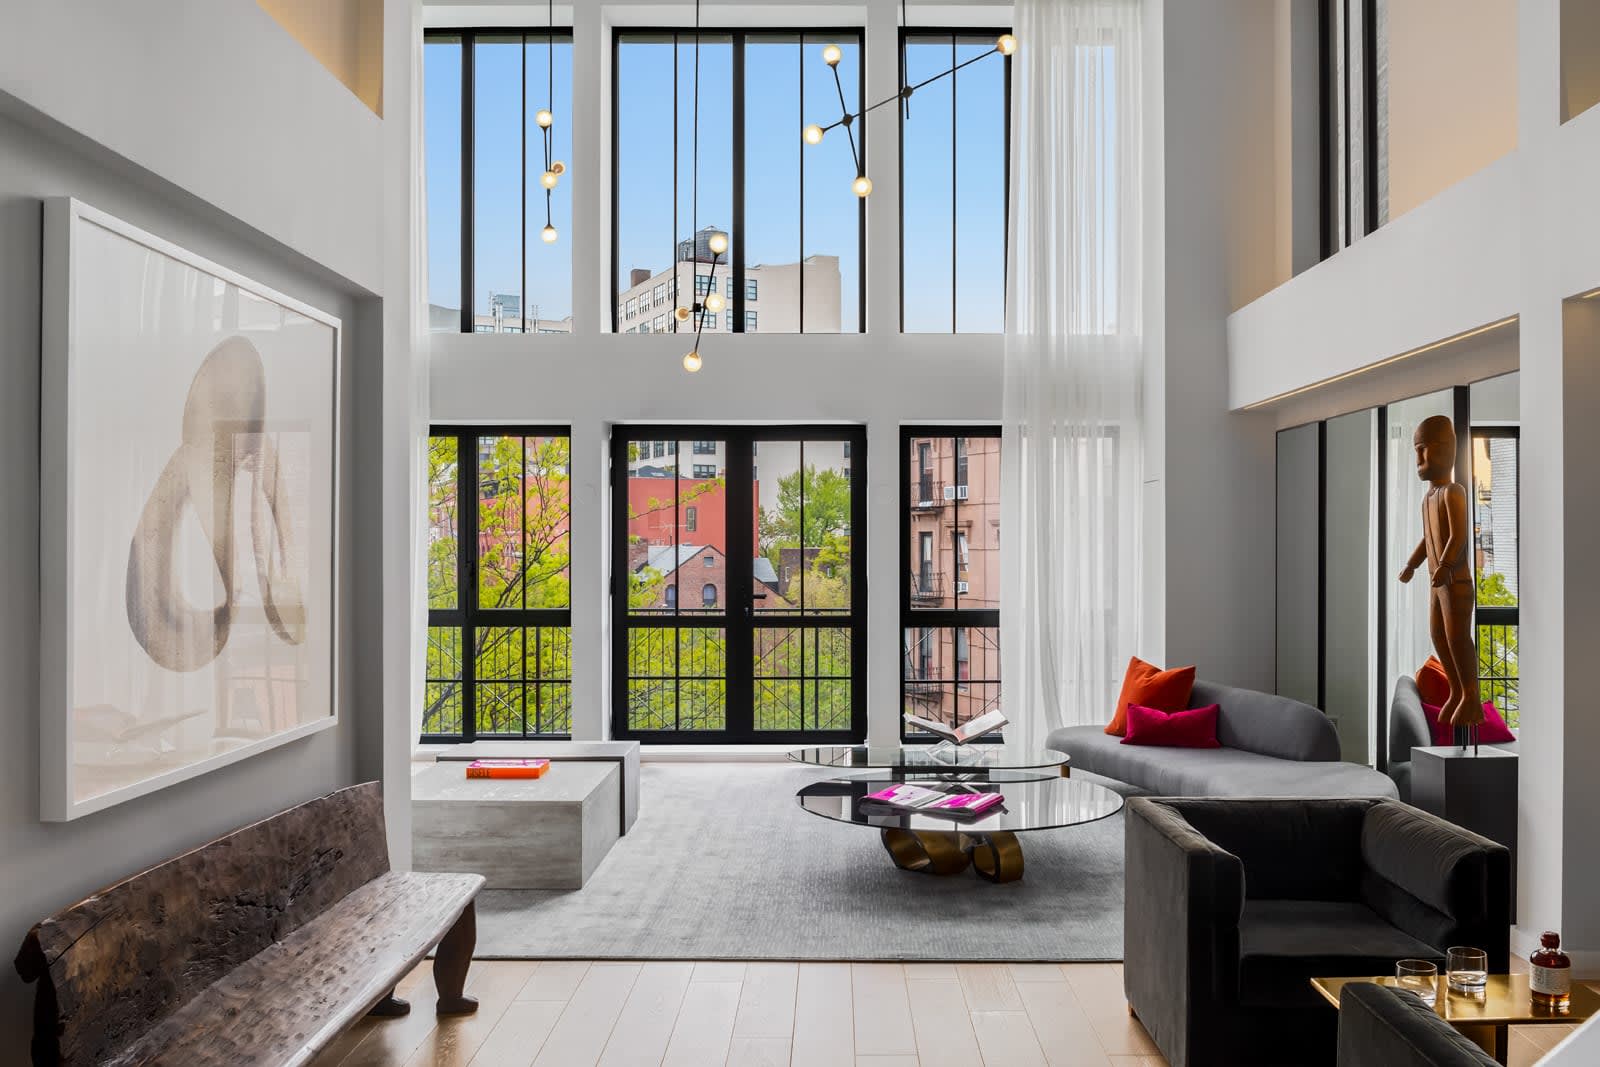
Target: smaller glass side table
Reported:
[(974, 757)]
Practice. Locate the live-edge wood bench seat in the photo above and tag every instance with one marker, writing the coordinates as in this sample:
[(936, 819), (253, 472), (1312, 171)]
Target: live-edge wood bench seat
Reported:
[(258, 948)]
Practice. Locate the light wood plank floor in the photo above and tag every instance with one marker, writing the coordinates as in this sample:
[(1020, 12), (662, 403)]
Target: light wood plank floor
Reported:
[(798, 1014)]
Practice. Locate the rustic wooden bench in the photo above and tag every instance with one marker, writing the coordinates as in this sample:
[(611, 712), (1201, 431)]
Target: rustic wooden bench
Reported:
[(258, 948)]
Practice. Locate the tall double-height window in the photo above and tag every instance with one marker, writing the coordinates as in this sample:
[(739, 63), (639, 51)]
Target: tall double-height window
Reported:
[(795, 227), (955, 151), (490, 270), (739, 596), (499, 660), (950, 566)]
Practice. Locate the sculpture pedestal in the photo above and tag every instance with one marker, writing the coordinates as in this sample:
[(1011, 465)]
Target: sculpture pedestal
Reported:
[(1477, 791)]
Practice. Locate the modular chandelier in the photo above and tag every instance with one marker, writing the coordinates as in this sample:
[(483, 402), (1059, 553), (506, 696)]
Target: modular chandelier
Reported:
[(717, 243), (1005, 45), (553, 168)]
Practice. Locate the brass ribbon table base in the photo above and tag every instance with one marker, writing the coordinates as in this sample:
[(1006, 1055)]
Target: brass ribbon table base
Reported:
[(996, 857)]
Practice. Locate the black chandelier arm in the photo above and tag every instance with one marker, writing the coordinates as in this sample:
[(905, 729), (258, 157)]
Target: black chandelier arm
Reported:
[(845, 108), (905, 92)]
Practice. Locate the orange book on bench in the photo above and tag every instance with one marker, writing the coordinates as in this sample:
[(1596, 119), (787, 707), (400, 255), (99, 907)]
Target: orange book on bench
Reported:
[(507, 768)]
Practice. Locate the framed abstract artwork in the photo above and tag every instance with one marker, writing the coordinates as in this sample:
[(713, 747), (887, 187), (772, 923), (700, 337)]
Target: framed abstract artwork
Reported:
[(189, 451)]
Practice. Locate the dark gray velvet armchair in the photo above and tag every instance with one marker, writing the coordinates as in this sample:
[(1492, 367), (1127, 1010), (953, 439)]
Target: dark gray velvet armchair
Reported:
[(1383, 1027), (1233, 905)]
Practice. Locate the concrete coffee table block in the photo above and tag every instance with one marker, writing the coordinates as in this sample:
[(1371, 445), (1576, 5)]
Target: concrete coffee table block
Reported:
[(519, 833), (624, 753)]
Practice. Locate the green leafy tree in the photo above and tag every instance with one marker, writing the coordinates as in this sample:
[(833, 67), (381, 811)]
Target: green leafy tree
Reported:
[(524, 511), (1497, 650)]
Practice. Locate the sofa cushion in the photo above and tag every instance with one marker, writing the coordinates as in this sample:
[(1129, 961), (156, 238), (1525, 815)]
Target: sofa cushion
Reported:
[(1433, 684), (1285, 943), (1185, 772), (1267, 724), (1492, 731), (1192, 728), (1148, 685)]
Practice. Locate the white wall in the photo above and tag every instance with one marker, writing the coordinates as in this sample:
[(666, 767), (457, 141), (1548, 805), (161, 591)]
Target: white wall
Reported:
[(218, 99), (1514, 240), (207, 124)]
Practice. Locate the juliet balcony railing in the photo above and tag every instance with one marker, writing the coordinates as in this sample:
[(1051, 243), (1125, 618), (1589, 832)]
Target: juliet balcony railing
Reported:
[(927, 494)]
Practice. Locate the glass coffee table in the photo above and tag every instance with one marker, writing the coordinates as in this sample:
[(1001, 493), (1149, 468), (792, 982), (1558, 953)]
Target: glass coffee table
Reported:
[(976, 756), (933, 845)]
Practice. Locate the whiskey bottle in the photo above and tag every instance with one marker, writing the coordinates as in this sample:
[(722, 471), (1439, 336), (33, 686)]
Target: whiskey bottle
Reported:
[(1550, 982)]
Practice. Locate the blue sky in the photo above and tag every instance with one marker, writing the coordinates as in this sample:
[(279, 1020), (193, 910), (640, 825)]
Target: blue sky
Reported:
[(777, 162)]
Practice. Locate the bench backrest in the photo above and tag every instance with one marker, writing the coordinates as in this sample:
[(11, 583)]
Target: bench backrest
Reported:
[(115, 964)]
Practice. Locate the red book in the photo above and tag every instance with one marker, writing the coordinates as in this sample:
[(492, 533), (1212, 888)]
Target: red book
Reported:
[(507, 768)]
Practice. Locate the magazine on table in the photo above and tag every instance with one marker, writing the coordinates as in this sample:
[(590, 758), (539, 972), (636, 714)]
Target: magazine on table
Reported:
[(967, 731), (952, 801)]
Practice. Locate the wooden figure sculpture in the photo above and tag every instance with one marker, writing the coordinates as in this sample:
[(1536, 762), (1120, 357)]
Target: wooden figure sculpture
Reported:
[(1445, 544)]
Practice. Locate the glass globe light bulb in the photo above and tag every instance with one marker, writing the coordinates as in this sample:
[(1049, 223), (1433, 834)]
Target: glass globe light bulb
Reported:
[(691, 361), (812, 134), (558, 168), (862, 186), (715, 302), (548, 235), (544, 118), (1007, 44), (718, 243), (831, 55), (549, 178), (681, 314)]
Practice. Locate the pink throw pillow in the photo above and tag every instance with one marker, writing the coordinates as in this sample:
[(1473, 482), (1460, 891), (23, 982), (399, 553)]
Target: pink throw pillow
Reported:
[(1194, 728), (1492, 731)]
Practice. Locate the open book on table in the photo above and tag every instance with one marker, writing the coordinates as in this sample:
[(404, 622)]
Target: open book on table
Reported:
[(967, 731)]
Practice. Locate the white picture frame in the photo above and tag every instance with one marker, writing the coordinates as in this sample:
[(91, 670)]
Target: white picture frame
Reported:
[(127, 318)]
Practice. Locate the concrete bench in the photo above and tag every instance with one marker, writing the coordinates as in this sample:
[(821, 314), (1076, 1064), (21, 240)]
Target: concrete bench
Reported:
[(258, 948)]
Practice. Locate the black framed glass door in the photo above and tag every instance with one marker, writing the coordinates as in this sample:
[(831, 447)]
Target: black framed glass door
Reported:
[(738, 583)]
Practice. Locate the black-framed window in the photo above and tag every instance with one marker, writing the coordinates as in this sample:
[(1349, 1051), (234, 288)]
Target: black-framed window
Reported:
[(1496, 476), (950, 572), (482, 92), (1353, 76), (499, 656), (751, 626), (797, 232), (955, 170)]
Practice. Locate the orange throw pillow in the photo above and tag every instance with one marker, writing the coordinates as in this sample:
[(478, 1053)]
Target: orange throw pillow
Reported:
[(1151, 687), (1433, 684)]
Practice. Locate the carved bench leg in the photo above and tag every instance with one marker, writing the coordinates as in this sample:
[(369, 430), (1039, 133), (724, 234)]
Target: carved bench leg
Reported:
[(450, 963), (390, 1007)]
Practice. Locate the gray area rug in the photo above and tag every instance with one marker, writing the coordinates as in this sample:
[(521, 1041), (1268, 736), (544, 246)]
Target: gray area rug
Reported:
[(723, 864)]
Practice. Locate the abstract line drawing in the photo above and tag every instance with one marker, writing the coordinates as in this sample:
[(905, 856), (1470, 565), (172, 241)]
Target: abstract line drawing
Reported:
[(189, 514), (224, 421)]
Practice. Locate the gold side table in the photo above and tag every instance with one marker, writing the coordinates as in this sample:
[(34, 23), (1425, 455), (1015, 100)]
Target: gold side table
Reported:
[(1506, 1001)]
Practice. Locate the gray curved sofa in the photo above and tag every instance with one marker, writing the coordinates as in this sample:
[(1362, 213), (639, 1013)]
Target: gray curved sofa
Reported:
[(1408, 729), (1271, 747)]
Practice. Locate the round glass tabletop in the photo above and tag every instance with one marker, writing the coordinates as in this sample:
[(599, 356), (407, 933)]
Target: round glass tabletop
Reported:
[(931, 757), (1032, 802)]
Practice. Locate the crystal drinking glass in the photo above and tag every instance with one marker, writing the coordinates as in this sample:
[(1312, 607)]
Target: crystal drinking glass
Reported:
[(1467, 970), (1420, 977)]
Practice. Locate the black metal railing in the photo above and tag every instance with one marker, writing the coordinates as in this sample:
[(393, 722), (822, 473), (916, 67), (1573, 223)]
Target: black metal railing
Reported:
[(927, 493), (1498, 675), (927, 585)]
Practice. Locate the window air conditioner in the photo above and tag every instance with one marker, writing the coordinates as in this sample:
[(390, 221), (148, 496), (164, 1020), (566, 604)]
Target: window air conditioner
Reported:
[(949, 492), (961, 587), (961, 492)]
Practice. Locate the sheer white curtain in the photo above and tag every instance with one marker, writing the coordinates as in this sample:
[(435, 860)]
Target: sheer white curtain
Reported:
[(1071, 458)]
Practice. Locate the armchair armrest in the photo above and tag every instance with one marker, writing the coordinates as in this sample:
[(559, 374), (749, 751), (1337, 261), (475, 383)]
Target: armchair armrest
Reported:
[(1437, 881), (1182, 903), (1378, 1025)]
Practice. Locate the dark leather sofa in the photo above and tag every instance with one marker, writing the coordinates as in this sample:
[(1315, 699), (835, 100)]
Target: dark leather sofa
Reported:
[(1233, 904)]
